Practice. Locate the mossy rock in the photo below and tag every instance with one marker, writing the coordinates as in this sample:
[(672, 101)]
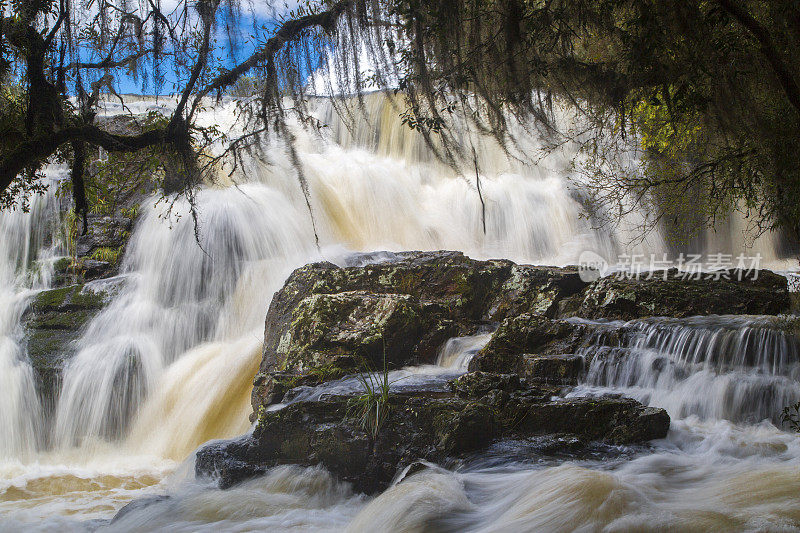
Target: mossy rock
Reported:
[(335, 329), (449, 294), (536, 290), (53, 322), (72, 298), (529, 334), (484, 409), (674, 294)]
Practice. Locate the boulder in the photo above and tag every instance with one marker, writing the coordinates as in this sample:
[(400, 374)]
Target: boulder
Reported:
[(53, 321), (520, 339), (482, 410), (536, 290), (327, 319), (674, 294), (349, 328)]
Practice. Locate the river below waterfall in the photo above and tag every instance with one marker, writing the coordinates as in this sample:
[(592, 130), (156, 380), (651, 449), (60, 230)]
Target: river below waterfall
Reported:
[(168, 364)]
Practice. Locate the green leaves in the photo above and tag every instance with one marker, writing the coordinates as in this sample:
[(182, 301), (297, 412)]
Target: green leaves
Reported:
[(372, 407)]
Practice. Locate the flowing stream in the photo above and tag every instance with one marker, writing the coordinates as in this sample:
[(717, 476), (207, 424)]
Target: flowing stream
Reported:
[(168, 364)]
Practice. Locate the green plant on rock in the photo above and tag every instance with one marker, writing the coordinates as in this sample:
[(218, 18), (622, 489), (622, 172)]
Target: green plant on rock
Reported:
[(262, 412), (326, 372), (107, 254), (371, 408), (131, 212)]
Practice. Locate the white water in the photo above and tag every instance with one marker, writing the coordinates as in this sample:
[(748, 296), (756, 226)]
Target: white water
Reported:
[(733, 368), (28, 246), (169, 364)]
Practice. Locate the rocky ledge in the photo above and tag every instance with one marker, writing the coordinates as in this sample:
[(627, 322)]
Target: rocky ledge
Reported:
[(53, 322), (392, 310), (328, 321), (481, 410)]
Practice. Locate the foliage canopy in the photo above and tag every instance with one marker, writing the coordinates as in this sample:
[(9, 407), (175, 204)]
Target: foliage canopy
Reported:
[(707, 90)]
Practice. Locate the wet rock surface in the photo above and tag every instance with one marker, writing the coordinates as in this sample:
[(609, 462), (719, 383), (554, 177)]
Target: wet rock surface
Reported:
[(675, 294), (104, 232), (529, 334), (330, 322), (481, 410), (53, 321), (433, 296)]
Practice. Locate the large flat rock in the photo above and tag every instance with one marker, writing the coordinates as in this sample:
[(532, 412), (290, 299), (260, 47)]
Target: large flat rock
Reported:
[(482, 409), (329, 320)]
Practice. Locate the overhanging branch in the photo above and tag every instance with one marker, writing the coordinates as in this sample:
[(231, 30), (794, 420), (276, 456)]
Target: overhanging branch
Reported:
[(768, 49), (289, 31)]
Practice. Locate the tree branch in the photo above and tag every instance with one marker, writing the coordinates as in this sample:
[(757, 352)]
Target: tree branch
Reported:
[(289, 31), (108, 63), (768, 49), (206, 8), (33, 151)]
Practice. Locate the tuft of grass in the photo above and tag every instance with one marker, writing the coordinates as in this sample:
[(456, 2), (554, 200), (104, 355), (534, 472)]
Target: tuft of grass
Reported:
[(371, 408), (131, 212), (107, 254)]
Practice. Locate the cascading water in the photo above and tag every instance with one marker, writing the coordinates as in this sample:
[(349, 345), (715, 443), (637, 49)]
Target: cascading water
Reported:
[(181, 291), (169, 363), (178, 294), (743, 369), (28, 245), (457, 352)]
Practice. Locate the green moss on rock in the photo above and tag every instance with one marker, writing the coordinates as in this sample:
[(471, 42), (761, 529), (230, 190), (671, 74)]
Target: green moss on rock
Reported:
[(484, 409), (53, 323)]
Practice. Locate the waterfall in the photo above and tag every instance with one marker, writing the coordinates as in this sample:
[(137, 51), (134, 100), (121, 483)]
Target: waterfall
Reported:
[(181, 289), (743, 369), (28, 246), (169, 363), (199, 293)]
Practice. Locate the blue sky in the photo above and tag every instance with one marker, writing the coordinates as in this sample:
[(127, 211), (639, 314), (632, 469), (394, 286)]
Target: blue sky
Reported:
[(231, 51)]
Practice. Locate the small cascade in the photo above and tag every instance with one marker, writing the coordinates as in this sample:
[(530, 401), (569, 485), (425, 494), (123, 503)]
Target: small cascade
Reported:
[(742, 369), (180, 288), (458, 351)]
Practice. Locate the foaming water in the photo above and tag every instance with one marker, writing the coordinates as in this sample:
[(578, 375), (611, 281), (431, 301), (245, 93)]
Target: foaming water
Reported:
[(169, 363), (181, 289), (743, 369), (457, 352), (29, 244), (65, 489), (703, 477), (288, 498), (224, 373)]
